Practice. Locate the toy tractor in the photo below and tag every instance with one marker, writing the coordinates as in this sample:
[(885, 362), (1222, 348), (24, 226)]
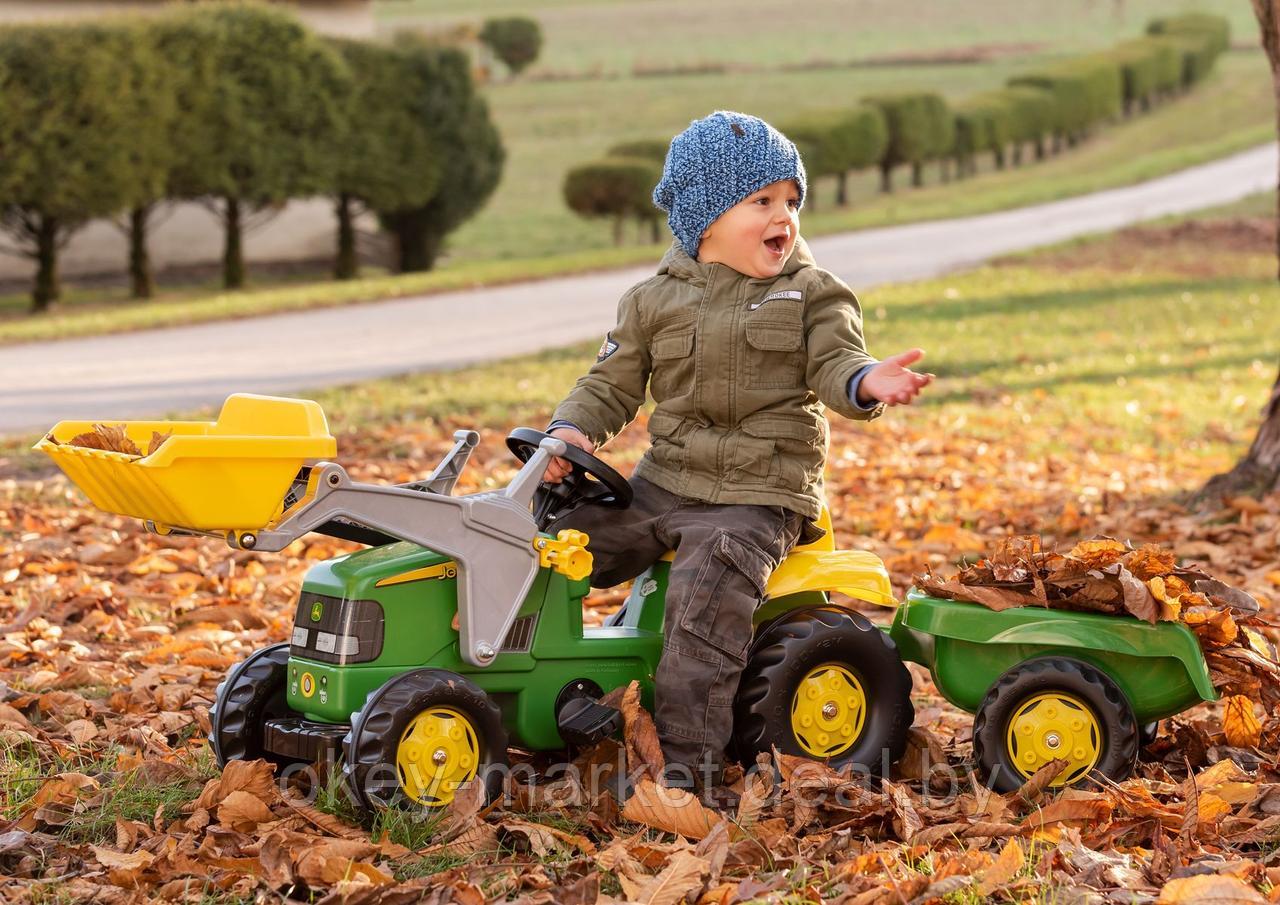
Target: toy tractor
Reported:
[(458, 631)]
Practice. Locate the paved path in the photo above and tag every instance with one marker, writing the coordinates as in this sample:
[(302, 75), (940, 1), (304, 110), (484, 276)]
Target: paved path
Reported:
[(155, 372)]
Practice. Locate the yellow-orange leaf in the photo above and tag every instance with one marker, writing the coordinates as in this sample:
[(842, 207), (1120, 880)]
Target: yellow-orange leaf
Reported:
[(671, 810), (1239, 722), (1209, 889)]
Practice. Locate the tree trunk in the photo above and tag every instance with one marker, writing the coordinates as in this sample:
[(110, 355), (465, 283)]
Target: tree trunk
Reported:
[(998, 155), (1259, 471), (48, 287), (917, 174), (140, 276), (886, 178), (842, 189), (347, 265), (233, 252), (417, 245)]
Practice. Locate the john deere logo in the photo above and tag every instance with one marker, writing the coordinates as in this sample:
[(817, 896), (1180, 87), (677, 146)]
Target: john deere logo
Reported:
[(308, 685), (317, 610)]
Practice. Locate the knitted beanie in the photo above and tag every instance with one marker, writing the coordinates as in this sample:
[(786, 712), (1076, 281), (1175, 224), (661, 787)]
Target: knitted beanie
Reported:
[(714, 164)]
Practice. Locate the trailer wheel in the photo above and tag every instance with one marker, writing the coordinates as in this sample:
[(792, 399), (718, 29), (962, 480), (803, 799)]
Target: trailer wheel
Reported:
[(419, 737), (252, 693), (824, 683), (1054, 707)]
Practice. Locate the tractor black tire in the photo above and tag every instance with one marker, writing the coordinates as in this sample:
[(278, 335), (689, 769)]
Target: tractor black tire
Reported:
[(1119, 729), (369, 763), (1148, 733), (787, 650), (252, 693)]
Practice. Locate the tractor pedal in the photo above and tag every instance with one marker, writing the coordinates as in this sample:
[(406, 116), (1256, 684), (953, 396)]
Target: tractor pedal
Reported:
[(583, 722)]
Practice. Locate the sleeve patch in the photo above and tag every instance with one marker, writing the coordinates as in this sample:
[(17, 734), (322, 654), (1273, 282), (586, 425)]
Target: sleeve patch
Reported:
[(607, 348)]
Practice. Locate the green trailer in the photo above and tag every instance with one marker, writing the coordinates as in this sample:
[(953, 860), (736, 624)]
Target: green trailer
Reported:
[(1051, 684)]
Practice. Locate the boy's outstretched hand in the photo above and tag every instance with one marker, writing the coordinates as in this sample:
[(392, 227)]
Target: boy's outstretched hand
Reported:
[(892, 382), (560, 467)]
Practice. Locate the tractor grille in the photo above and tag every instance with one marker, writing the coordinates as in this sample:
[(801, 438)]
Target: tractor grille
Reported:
[(333, 630), (520, 638)]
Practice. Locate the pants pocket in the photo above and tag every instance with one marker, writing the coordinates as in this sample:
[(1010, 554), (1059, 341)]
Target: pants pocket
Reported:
[(729, 587)]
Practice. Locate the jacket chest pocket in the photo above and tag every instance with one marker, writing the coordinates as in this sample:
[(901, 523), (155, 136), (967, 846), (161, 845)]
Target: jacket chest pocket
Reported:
[(673, 366), (775, 348)]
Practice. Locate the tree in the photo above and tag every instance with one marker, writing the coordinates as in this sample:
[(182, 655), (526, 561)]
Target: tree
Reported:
[(68, 146), (154, 144), (467, 147), (268, 128), (617, 188), (1259, 471), (387, 162), (516, 41)]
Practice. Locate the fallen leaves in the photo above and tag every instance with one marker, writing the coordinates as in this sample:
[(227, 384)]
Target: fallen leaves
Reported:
[(1104, 575), (113, 640), (112, 438)]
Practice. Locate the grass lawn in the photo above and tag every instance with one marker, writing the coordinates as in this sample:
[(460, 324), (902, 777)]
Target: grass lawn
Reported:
[(1155, 347), (590, 35), (1150, 361)]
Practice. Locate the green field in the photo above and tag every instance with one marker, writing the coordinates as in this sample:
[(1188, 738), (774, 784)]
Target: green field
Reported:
[(585, 35), (549, 126), (1151, 362)]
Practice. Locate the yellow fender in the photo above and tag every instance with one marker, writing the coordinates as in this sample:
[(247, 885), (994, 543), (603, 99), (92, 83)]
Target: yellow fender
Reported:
[(856, 573)]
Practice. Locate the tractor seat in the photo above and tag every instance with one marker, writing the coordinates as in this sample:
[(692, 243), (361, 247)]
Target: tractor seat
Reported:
[(819, 566)]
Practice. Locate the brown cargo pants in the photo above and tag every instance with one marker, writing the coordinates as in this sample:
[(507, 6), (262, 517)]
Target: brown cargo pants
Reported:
[(724, 556)]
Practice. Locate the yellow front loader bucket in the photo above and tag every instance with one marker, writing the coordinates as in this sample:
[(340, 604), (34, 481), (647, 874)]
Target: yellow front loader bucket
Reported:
[(226, 475)]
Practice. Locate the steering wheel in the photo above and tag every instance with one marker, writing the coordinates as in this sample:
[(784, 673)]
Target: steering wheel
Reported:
[(590, 481)]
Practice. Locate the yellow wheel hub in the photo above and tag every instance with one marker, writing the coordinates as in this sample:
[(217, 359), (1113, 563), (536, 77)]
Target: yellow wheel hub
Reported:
[(438, 751), (1054, 725), (828, 710)]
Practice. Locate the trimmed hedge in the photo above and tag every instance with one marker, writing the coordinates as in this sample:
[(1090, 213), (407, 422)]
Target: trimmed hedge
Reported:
[(920, 129), (78, 100), (835, 142), (240, 107), (1086, 92), (1150, 68), (617, 188), (1216, 28), (1199, 37), (515, 40), (983, 123)]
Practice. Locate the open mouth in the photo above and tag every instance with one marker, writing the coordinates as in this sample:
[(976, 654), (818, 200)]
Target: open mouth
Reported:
[(776, 244)]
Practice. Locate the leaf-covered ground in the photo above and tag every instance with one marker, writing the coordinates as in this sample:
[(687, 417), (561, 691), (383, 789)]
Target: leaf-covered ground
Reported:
[(1079, 393)]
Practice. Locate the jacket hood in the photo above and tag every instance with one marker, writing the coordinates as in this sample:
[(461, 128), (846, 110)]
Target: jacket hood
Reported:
[(677, 263)]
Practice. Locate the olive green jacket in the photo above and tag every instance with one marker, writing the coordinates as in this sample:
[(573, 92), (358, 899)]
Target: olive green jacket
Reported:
[(740, 369)]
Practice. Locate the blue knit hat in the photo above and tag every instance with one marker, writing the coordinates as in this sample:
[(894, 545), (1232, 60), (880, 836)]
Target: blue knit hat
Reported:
[(714, 164)]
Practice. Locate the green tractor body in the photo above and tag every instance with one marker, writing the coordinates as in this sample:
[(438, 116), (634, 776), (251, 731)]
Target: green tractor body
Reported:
[(399, 602)]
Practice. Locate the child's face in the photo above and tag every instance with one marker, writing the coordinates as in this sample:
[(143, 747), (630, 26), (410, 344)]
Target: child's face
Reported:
[(756, 235)]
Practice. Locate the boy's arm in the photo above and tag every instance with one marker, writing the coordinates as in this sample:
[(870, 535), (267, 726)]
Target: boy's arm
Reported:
[(837, 353), (607, 397)]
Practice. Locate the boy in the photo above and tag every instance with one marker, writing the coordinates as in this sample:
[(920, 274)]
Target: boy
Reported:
[(741, 340)]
